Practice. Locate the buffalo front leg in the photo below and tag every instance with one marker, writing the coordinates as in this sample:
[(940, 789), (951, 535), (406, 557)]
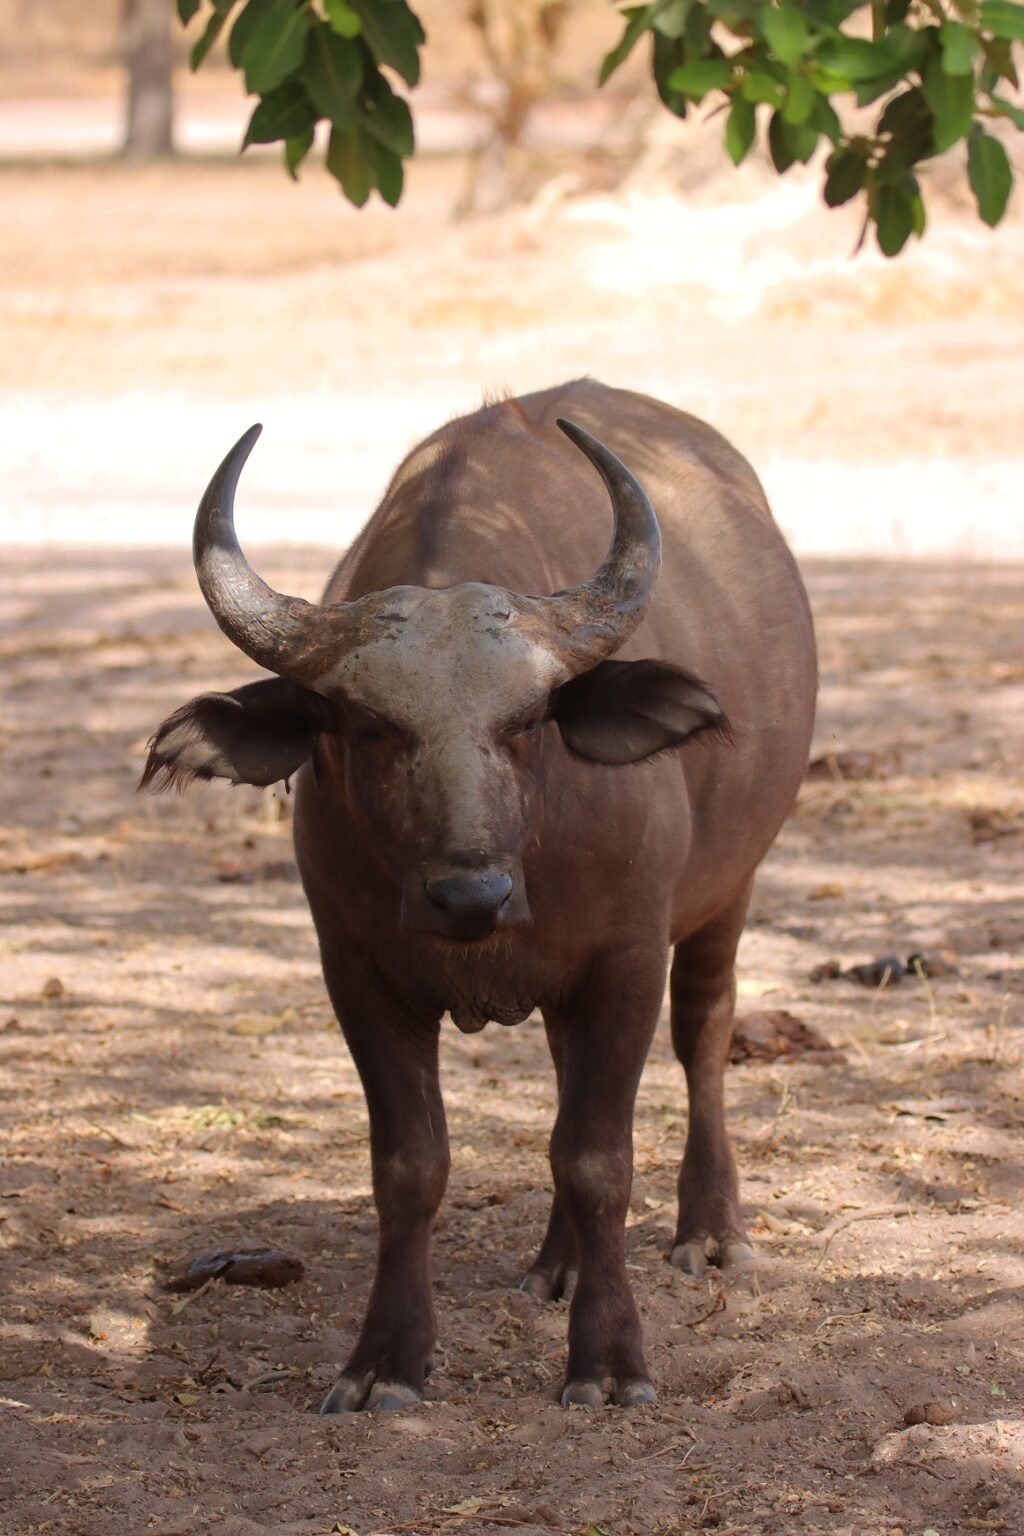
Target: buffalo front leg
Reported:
[(552, 1274), (397, 1061), (703, 989), (605, 1037)]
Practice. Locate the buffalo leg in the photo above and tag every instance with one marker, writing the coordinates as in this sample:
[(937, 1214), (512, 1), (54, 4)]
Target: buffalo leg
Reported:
[(605, 1039), (703, 989), (397, 1061), (552, 1274)]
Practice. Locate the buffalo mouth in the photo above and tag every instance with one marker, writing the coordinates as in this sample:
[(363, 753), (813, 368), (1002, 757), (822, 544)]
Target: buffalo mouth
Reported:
[(464, 904)]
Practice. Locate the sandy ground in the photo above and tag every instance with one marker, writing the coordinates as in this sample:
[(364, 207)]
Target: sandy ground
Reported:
[(172, 1079), (174, 1083), (147, 317)]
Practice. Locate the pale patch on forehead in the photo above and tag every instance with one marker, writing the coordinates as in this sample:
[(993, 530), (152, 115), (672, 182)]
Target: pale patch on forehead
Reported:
[(459, 652)]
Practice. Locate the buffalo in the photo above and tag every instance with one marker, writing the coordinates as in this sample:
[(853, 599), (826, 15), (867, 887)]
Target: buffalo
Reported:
[(525, 771)]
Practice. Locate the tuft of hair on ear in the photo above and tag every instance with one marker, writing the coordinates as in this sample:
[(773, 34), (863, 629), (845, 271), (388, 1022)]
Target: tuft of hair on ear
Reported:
[(163, 773)]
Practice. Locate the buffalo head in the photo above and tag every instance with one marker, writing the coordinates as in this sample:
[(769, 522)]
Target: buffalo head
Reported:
[(424, 707)]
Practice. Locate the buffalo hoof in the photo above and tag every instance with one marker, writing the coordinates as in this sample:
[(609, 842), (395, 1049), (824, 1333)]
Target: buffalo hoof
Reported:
[(546, 1287), (586, 1393), (732, 1256), (362, 1394)]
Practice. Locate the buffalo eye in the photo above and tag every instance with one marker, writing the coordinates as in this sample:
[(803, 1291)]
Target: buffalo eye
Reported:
[(521, 728), (369, 730)]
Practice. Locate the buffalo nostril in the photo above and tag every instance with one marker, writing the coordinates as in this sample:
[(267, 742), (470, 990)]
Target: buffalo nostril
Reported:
[(470, 892)]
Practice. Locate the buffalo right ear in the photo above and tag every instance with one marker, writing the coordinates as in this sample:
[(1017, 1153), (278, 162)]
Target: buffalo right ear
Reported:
[(624, 711), (256, 734)]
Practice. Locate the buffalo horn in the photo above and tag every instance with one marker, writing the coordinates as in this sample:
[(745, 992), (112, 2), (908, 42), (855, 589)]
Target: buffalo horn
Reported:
[(284, 634), (594, 619)]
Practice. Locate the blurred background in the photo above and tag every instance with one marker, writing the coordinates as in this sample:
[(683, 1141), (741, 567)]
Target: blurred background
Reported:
[(152, 308)]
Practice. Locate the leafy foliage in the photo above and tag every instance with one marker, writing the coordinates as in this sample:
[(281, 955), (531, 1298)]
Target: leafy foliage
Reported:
[(933, 67), (931, 70), (315, 60)]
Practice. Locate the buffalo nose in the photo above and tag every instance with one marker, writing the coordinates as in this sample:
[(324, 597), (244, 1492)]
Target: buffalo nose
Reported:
[(472, 897)]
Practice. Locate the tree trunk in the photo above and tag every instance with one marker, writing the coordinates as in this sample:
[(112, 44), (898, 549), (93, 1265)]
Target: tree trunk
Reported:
[(146, 39)]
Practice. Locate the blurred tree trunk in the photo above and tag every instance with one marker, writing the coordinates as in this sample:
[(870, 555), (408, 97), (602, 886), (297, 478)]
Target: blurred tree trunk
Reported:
[(519, 39), (149, 58)]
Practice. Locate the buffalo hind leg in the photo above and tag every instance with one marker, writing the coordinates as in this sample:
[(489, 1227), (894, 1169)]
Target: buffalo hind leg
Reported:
[(397, 1061), (703, 991), (605, 1036), (552, 1275)]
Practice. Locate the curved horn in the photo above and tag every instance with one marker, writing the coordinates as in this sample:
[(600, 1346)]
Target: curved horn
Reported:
[(284, 634), (599, 616)]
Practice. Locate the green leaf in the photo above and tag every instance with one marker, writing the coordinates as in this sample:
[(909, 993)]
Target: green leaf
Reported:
[(698, 30), (892, 208), (790, 141), (990, 175), (387, 117), (786, 32), (739, 130), (186, 10), (951, 98), (799, 102), (758, 86), (1007, 109), (390, 175), (825, 120), (244, 24), (639, 19), (295, 151), (214, 27), (699, 76), (275, 46), (394, 35), (1004, 19), (908, 122), (669, 54), (855, 58), (350, 164), (282, 114), (1000, 61), (333, 74), (670, 17), (832, 13), (868, 91), (342, 18), (846, 173), (960, 47)]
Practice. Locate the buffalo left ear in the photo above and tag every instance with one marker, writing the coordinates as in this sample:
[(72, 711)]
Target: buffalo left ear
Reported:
[(257, 734), (624, 711)]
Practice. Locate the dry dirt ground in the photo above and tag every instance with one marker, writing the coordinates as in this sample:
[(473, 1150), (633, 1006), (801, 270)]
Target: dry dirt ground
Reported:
[(172, 1079), (174, 1082)]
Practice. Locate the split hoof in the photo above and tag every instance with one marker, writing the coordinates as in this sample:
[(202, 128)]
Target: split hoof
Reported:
[(545, 1287), (587, 1393), (363, 1394), (731, 1257)]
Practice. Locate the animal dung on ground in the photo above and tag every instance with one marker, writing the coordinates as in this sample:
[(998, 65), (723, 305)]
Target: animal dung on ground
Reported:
[(265, 1267), (932, 962), (939, 1411), (886, 971), (774, 1033), (851, 766)]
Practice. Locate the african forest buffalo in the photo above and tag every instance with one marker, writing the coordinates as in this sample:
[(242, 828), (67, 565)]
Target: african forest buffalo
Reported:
[(492, 815)]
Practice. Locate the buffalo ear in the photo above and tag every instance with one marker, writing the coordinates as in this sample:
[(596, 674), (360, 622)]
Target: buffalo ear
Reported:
[(257, 734), (624, 711)]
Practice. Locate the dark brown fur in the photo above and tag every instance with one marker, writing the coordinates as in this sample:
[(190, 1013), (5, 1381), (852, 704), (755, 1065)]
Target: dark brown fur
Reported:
[(622, 860)]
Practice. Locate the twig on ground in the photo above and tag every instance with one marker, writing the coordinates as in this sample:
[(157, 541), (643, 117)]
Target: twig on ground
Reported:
[(869, 1213), (264, 1378), (716, 1306)]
